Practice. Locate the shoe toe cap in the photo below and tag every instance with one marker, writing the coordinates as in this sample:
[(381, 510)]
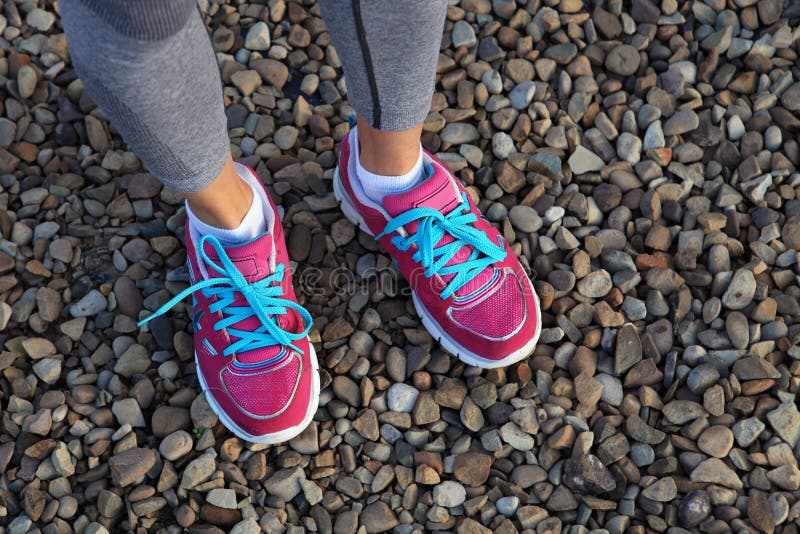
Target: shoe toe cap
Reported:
[(498, 315), (266, 393)]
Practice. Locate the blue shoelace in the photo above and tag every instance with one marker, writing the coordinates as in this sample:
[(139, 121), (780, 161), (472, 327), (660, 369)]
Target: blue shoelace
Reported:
[(264, 298), (431, 228)]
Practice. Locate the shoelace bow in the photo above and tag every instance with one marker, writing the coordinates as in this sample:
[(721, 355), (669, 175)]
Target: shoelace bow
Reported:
[(264, 298), (431, 228)]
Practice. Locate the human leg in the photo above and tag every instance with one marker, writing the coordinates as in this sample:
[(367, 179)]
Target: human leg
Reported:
[(390, 74), (150, 66), (470, 291)]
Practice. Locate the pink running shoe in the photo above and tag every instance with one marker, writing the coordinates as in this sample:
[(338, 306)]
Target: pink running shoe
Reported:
[(254, 360), (468, 286)]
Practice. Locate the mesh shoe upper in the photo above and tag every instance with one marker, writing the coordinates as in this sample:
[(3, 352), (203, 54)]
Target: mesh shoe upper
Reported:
[(266, 392), (504, 299)]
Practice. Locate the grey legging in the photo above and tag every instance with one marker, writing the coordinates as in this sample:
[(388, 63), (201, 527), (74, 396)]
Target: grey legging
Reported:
[(150, 66)]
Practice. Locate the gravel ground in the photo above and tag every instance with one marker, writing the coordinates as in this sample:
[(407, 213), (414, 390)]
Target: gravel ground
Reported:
[(641, 158)]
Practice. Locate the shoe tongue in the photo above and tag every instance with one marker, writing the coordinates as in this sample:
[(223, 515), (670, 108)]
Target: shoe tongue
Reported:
[(252, 259), (438, 191)]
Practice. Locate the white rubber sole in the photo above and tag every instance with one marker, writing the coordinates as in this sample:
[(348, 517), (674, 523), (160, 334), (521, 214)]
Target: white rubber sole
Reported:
[(448, 343), (277, 437)]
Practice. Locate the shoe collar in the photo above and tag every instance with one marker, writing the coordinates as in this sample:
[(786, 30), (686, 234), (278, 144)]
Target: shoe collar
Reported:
[(259, 194)]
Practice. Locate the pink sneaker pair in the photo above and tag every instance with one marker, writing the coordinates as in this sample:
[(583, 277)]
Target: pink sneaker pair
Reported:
[(254, 360)]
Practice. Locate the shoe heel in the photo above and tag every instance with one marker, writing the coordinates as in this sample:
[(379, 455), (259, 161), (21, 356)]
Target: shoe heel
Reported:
[(348, 207)]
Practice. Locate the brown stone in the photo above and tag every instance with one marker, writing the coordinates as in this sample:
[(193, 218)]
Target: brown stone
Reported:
[(472, 468), (587, 389), (509, 177), (760, 513)]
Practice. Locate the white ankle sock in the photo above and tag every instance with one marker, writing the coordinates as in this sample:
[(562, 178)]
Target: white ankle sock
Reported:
[(377, 186), (253, 224)]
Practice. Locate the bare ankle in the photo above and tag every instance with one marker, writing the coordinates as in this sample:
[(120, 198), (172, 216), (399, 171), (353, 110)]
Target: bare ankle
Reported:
[(225, 202), (388, 153)]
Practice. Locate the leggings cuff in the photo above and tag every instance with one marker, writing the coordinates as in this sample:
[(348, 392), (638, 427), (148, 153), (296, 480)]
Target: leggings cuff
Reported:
[(203, 177), (395, 119)]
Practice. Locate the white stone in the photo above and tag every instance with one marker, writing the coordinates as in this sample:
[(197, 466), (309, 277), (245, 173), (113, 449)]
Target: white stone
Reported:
[(401, 398), (449, 494), (257, 37), (584, 160), (222, 497)]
